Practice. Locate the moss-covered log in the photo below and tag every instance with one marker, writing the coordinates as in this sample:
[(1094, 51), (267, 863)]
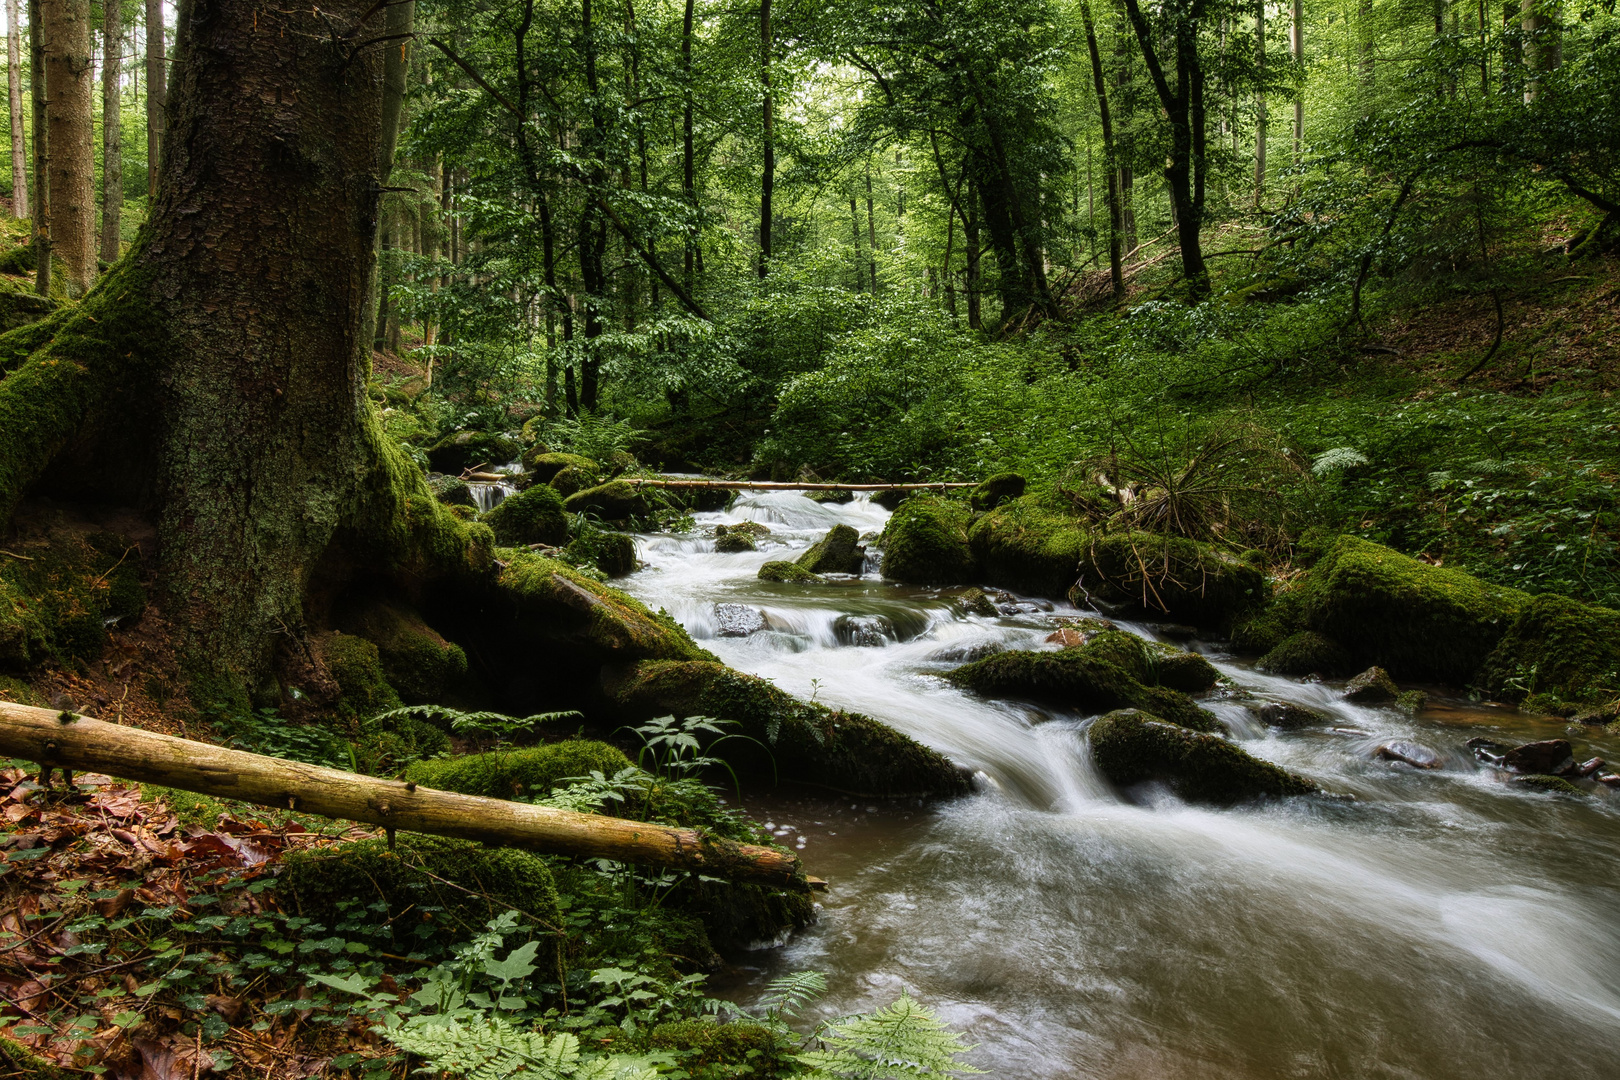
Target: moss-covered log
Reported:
[(68, 741)]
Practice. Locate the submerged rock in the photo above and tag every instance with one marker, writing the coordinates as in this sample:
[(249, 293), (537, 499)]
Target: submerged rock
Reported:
[(1287, 715), (1131, 747), (975, 602), (867, 631), (787, 573), (967, 652), (1588, 767), (1546, 756), (1551, 784), (839, 552), (1371, 687), (1414, 754), (738, 620), (1305, 653), (926, 543)]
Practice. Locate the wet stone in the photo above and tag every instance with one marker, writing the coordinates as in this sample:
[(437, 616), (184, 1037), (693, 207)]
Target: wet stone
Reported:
[(1069, 637), (1414, 754), (1488, 750), (966, 652), (1597, 716), (1173, 631), (864, 631), (1549, 757), (1371, 687), (1285, 714), (1588, 767), (738, 620), (1610, 779)]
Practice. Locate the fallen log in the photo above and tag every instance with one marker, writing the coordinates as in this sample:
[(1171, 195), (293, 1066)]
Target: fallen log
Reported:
[(771, 485), (67, 741)]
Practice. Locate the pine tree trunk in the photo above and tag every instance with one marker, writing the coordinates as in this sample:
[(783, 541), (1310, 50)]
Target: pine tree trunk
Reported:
[(19, 152), (157, 81), (42, 150), (112, 144), (69, 86)]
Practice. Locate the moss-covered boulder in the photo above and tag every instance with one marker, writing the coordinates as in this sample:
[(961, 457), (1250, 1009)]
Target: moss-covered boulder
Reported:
[(356, 667), (787, 573), (1559, 648), (926, 543), (1184, 671), (414, 658), (1553, 785), (999, 489), (731, 541), (534, 516), (61, 584), (576, 478), (1289, 716), (529, 772), (1133, 747), (543, 465), (837, 497), (1189, 581), (1371, 687), (613, 553), (459, 884), (710, 1048), (1089, 679), (891, 499), (617, 500), (1416, 620), (1031, 544), (22, 308), (551, 601), (451, 490), (839, 552), (796, 740), (461, 450), (1305, 652)]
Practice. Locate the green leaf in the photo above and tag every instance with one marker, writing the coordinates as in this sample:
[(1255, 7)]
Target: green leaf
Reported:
[(519, 963)]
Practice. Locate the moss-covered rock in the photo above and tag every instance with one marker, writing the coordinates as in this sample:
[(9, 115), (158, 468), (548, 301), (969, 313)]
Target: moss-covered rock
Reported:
[(451, 490), (553, 601), (1262, 629), (1185, 671), (530, 771), (926, 543), (708, 1046), (1553, 785), (356, 666), (60, 585), (802, 741), (1132, 747), (1092, 678), (1306, 652), (730, 540), (1030, 544), (19, 1061), (836, 497), (1411, 702), (839, 552), (463, 449), (416, 660), (459, 884), (787, 573), (617, 500), (1289, 716), (544, 465), (1559, 648), (975, 602), (1416, 620), (1371, 687), (999, 489), (1189, 581), (891, 499), (534, 516), (613, 553), (576, 478), (19, 309)]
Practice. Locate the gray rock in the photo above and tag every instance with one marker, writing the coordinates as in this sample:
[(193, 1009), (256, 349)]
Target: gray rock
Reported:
[(1371, 687), (1547, 757), (865, 631), (738, 620), (1285, 714), (1414, 754), (967, 652)]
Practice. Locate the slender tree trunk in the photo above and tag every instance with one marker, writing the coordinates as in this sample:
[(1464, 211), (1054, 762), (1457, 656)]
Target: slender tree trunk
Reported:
[(871, 227), (1543, 42), (19, 152), (112, 140), (688, 158), (68, 82), (1260, 118), (767, 179), (42, 150), (860, 260), (974, 278), (1296, 48), (157, 81), (1116, 223)]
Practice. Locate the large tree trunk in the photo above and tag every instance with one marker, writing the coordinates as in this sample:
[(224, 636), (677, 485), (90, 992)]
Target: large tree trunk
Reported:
[(112, 145), (69, 87), (19, 153), (157, 81), (217, 374)]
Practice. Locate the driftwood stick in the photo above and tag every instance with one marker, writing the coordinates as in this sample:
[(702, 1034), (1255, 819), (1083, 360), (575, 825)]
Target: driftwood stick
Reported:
[(66, 741), (769, 485)]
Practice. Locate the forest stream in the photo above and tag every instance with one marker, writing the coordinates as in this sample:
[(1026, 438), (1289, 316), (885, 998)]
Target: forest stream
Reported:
[(1440, 923)]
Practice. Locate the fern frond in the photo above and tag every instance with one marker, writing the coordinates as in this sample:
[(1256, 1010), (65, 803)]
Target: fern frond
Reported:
[(903, 1040), (788, 995), (1340, 457), (494, 1049)]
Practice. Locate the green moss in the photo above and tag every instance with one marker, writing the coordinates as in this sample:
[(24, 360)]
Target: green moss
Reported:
[(555, 601), (1550, 784), (1260, 630), (530, 771), (459, 884), (18, 309), (708, 1046), (787, 573), (534, 516), (543, 465), (1131, 747), (19, 1061), (837, 497), (1030, 544), (1082, 679), (1184, 671), (355, 665), (1416, 620), (839, 552), (926, 543), (576, 478), (617, 500), (59, 587), (1194, 582), (464, 449), (1306, 652), (419, 663), (805, 741), (1558, 647), (451, 490), (730, 541), (16, 690), (203, 811), (999, 489)]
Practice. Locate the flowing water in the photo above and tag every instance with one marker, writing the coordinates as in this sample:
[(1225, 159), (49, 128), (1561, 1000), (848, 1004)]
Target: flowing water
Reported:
[(1436, 924)]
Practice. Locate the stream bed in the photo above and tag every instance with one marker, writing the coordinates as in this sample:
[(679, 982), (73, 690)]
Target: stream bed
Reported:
[(1436, 924)]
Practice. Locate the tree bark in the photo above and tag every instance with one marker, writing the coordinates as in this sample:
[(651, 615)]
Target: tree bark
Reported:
[(42, 150), (855, 232), (69, 742), (19, 152), (1260, 118), (1296, 47), (157, 81), (68, 84), (1543, 42), (112, 142), (688, 158), (767, 175), (1116, 220), (871, 227)]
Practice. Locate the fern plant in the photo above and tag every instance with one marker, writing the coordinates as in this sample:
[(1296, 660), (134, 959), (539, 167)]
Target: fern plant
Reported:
[(480, 726), (493, 1049), (903, 1040)]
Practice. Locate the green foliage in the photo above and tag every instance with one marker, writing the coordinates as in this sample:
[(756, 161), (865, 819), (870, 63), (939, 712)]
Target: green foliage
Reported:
[(904, 1039), (591, 435), (534, 516), (531, 772)]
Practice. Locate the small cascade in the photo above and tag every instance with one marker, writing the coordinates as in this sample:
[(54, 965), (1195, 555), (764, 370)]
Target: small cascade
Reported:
[(488, 494)]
